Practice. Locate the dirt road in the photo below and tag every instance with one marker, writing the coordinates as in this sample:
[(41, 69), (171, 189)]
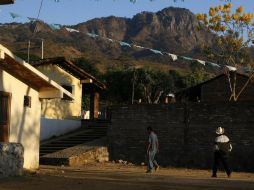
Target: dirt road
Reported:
[(120, 177)]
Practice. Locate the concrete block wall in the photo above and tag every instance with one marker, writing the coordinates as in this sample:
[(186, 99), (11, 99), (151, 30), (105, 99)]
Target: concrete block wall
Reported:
[(186, 133)]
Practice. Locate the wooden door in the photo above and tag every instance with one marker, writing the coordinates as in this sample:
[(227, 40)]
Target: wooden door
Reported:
[(5, 105)]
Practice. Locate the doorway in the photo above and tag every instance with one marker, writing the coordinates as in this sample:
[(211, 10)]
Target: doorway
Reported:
[(5, 107)]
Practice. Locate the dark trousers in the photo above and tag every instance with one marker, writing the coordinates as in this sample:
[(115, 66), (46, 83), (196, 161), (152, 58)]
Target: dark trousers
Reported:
[(220, 157)]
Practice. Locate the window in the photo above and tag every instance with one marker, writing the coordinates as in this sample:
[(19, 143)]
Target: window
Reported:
[(70, 89), (27, 101)]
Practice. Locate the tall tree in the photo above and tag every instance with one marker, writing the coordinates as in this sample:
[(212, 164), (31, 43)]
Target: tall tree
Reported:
[(234, 32)]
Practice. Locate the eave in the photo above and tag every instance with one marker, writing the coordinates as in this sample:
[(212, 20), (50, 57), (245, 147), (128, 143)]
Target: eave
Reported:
[(6, 2), (29, 75)]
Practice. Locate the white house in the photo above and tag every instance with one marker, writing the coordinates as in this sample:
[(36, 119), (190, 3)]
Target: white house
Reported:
[(60, 116), (22, 87)]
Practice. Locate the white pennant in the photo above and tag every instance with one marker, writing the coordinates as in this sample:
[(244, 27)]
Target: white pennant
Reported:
[(200, 61), (71, 30), (173, 56), (230, 68), (139, 47)]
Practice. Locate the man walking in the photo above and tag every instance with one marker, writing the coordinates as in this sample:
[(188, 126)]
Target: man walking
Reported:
[(152, 150), (222, 148)]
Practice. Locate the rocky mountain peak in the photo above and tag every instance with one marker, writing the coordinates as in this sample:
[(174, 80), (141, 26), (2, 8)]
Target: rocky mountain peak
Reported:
[(171, 29)]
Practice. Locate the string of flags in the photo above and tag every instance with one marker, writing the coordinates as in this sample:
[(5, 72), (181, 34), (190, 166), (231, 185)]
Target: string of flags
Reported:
[(173, 57), (71, 29)]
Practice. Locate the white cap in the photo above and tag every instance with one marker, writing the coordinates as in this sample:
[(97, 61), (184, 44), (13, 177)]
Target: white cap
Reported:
[(219, 131)]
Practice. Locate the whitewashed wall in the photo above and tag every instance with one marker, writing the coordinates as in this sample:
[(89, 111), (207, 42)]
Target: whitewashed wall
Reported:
[(57, 127), (24, 121)]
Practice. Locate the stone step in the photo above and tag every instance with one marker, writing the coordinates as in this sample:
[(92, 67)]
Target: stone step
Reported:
[(55, 147), (93, 151), (91, 136), (73, 139), (77, 139), (80, 139), (62, 143), (65, 143)]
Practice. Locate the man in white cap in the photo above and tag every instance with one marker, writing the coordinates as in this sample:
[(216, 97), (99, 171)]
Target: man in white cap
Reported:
[(222, 147)]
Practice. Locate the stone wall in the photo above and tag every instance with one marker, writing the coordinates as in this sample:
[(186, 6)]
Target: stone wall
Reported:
[(186, 133), (11, 159)]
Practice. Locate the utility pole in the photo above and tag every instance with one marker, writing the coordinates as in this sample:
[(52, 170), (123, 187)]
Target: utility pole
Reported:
[(42, 49), (28, 51), (133, 87)]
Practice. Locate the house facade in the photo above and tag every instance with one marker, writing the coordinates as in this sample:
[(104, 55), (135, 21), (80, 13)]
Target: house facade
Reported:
[(64, 108), (22, 87), (217, 89), (60, 116)]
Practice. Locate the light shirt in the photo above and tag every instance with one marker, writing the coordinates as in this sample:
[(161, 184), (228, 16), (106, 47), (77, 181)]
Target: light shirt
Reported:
[(153, 140), (222, 139)]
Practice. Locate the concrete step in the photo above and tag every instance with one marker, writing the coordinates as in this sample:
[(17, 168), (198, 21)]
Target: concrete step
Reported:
[(93, 151), (61, 144), (73, 139), (95, 124)]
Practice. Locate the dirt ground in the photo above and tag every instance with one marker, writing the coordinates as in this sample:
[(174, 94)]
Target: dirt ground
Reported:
[(124, 177)]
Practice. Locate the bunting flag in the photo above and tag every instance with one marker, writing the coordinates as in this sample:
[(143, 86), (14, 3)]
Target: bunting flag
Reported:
[(230, 68), (55, 26), (156, 51), (186, 58), (14, 15), (173, 56), (201, 62), (140, 47), (71, 30), (213, 64), (92, 35), (124, 44)]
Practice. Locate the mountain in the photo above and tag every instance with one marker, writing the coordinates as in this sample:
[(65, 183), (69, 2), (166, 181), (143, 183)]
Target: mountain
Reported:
[(171, 30)]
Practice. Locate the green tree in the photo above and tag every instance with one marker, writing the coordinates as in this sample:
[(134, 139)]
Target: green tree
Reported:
[(119, 86), (87, 66), (197, 75), (149, 85)]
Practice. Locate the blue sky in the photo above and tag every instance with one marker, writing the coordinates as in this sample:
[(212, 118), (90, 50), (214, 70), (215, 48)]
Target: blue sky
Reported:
[(76, 11)]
